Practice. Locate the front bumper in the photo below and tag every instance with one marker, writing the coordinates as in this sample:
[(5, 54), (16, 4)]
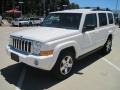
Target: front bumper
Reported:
[(41, 62)]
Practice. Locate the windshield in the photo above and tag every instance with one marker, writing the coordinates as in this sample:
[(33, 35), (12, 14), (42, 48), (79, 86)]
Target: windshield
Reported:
[(63, 20)]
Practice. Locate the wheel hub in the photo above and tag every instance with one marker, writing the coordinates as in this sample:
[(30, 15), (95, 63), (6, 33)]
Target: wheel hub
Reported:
[(108, 46), (66, 65)]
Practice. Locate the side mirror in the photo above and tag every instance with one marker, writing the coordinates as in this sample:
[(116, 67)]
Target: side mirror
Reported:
[(88, 27)]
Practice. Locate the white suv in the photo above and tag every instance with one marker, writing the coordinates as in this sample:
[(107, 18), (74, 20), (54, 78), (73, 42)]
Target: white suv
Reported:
[(34, 21), (62, 38), (20, 22)]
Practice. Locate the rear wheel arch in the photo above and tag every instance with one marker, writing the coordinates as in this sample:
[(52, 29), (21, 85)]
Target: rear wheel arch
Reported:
[(107, 46)]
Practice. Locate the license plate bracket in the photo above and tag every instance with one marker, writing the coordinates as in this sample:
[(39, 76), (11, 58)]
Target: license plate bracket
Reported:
[(14, 57)]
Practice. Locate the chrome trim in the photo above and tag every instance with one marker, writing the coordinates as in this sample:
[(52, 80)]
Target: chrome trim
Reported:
[(21, 44)]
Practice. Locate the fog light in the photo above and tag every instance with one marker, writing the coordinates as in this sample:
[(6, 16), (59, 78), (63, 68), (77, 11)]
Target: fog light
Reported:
[(36, 62)]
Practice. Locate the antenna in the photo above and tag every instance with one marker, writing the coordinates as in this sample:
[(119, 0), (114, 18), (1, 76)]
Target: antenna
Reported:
[(116, 6)]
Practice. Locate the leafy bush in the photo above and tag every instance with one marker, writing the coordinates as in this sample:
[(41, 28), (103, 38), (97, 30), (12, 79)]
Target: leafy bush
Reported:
[(9, 19)]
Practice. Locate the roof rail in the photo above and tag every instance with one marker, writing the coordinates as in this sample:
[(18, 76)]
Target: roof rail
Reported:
[(96, 8), (101, 9)]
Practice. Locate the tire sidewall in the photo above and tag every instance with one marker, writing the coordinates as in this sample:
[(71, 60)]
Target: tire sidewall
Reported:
[(105, 51), (56, 69), (20, 25)]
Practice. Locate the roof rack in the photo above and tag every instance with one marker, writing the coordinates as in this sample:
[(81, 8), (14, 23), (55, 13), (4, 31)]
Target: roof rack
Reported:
[(96, 8)]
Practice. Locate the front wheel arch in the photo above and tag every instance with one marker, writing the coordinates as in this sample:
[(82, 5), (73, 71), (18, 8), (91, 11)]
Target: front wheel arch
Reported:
[(69, 49), (63, 47)]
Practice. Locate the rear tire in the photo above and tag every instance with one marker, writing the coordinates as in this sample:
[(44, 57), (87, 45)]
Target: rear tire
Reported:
[(30, 24), (107, 47), (64, 65), (12, 24), (20, 25)]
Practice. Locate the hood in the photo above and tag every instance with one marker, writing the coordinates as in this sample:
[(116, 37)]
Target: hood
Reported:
[(44, 34)]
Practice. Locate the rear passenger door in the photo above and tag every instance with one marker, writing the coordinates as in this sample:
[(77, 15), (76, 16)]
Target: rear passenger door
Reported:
[(103, 29), (90, 33)]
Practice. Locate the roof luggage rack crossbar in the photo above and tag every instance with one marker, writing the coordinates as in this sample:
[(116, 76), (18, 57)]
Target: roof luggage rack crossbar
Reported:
[(96, 8)]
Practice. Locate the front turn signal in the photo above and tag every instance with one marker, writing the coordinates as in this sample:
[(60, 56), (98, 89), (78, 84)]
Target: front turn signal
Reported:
[(46, 53)]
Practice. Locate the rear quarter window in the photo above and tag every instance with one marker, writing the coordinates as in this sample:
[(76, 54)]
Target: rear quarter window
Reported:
[(102, 19)]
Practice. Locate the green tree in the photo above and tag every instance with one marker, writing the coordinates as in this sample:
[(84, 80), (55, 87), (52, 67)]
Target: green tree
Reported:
[(73, 6), (36, 7)]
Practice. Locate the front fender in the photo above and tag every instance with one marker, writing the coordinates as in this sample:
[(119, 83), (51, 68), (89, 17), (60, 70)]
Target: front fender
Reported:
[(64, 45)]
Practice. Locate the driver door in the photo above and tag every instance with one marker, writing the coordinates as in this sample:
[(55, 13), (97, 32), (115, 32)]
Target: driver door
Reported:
[(89, 32)]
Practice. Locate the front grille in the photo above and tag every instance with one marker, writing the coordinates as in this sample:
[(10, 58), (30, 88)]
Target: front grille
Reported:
[(22, 44)]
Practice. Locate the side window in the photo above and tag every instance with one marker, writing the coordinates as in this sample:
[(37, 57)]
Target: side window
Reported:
[(102, 19), (110, 18), (90, 22)]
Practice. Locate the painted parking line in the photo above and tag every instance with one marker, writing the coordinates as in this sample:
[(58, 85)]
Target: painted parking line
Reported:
[(110, 63), (21, 79)]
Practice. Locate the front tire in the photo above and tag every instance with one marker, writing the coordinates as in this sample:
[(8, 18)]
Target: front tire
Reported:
[(64, 65)]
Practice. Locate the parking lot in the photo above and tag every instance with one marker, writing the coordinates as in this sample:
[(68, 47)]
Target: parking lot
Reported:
[(95, 72)]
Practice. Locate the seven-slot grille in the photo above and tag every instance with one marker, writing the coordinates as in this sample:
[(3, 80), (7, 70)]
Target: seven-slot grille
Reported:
[(22, 44)]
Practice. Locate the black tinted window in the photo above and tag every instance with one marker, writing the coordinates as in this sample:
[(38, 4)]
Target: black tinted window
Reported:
[(63, 20), (110, 17), (90, 20), (102, 19)]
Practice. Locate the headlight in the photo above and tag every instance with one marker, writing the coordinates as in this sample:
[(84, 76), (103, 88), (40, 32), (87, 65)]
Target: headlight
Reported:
[(36, 47)]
